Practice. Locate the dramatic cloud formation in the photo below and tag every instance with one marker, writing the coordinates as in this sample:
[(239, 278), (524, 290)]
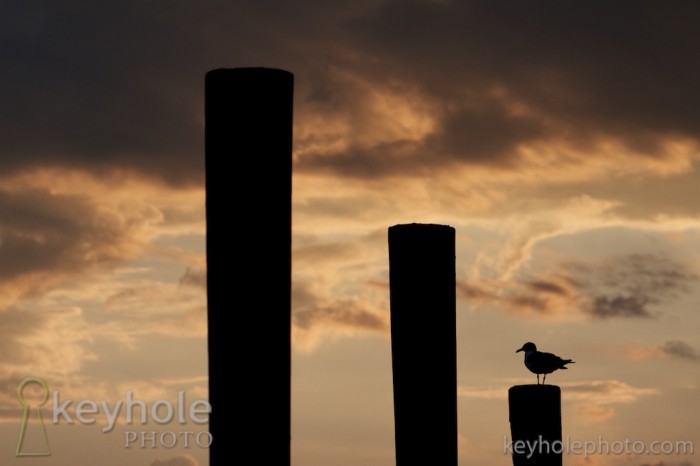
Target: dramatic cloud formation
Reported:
[(404, 86), (561, 141), (500, 96)]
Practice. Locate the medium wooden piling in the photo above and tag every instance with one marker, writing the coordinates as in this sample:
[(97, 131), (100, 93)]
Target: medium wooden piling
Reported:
[(248, 145), (423, 343), (535, 425)]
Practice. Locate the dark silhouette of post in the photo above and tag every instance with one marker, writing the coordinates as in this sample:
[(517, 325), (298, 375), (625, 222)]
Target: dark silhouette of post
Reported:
[(423, 343), (535, 425), (248, 144)]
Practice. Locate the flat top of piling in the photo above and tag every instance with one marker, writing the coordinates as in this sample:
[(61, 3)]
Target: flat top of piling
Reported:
[(417, 226), (534, 388), (259, 70)]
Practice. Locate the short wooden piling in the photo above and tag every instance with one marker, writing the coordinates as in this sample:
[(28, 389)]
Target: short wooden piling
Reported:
[(535, 425)]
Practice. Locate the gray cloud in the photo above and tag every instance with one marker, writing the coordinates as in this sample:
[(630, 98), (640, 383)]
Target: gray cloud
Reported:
[(98, 89), (472, 291), (620, 306), (309, 310), (627, 286), (486, 135), (541, 297), (194, 277), (545, 286), (345, 313), (680, 349)]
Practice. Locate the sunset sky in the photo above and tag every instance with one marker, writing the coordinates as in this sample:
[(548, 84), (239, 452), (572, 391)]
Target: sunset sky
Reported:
[(560, 139)]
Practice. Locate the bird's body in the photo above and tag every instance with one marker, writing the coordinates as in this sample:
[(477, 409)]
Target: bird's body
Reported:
[(542, 363)]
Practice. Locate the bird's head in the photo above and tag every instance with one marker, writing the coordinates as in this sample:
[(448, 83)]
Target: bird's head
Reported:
[(529, 346)]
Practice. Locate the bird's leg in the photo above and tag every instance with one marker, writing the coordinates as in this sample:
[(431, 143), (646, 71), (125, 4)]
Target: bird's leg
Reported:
[(544, 377), (538, 379)]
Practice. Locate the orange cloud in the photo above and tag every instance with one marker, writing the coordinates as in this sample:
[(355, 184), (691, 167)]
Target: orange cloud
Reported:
[(594, 401), (180, 460), (482, 393), (644, 353), (603, 392), (592, 413)]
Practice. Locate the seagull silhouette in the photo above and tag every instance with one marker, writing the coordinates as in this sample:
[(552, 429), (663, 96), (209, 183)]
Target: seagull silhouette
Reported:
[(542, 363)]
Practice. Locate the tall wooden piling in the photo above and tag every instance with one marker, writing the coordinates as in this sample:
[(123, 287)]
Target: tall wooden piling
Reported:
[(535, 425), (423, 343), (248, 145)]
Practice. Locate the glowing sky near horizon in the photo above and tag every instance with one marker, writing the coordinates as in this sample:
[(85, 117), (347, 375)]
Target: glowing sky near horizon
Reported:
[(560, 140)]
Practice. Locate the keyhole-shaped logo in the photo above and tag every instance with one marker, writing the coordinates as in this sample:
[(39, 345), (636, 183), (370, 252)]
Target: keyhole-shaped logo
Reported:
[(35, 426)]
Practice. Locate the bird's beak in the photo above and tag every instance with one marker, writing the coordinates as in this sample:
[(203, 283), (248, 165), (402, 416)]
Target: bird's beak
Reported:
[(519, 350)]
